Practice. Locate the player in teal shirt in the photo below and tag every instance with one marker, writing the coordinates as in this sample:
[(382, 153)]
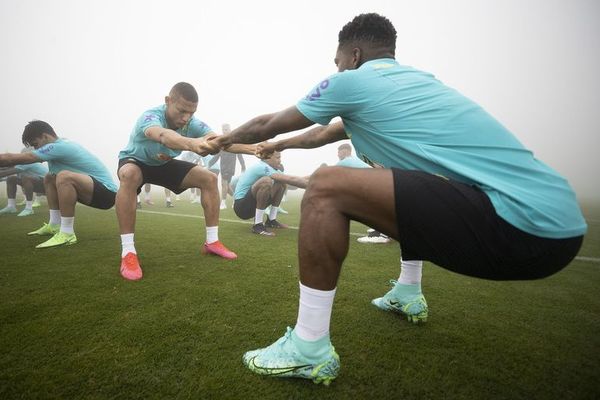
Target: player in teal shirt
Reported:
[(260, 186), (31, 179), (451, 184), (159, 135), (75, 175), (346, 159)]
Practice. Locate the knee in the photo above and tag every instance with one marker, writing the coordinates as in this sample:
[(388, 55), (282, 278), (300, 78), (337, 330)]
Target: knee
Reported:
[(130, 176), (320, 189), (64, 178)]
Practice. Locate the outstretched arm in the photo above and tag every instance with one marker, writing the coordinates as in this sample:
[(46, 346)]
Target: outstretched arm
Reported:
[(311, 139), (298, 181), (241, 149), (173, 140), (4, 172), (12, 159), (264, 127)]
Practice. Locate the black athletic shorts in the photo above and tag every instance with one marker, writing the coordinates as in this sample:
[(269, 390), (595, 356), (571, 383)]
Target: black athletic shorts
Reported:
[(102, 197), (245, 207), (455, 226), (169, 175)]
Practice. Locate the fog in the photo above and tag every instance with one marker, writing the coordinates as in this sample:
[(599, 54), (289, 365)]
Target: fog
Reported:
[(90, 68)]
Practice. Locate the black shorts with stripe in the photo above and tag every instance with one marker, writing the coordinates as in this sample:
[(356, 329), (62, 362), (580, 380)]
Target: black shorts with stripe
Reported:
[(455, 226)]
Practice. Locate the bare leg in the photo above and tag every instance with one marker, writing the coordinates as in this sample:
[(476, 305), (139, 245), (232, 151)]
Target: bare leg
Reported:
[(206, 181), (51, 193), (130, 177), (72, 187), (27, 186), (334, 196), (11, 187)]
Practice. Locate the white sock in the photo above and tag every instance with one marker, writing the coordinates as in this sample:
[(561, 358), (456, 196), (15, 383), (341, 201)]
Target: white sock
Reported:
[(138, 199), (212, 234), (127, 245), (12, 203), (28, 204), (168, 199), (147, 196), (54, 217), (314, 313), (273, 213), (258, 216), (66, 224), (410, 272)]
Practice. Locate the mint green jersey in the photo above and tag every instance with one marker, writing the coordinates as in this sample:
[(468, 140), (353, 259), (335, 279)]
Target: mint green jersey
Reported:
[(64, 155), (250, 176), (154, 153), (397, 116), (352, 162)]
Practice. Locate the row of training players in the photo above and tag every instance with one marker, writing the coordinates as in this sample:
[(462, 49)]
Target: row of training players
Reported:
[(454, 187)]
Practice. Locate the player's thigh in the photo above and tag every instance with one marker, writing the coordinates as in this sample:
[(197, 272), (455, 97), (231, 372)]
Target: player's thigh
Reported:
[(362, 194), (262, 183), (198, 177), (83, 184)]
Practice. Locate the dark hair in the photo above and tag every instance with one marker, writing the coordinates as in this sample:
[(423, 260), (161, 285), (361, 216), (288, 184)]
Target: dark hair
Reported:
[(371, 28), (35, 129), (184, 90)]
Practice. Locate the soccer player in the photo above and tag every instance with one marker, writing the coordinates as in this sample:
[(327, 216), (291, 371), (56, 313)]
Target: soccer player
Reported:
[(159, 135), (263, 184), (456, 188), (75, 175), (31, 179), (227, 161)]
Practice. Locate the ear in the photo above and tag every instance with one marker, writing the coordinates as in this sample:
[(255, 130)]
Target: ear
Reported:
[(167, 100), (356, 57)]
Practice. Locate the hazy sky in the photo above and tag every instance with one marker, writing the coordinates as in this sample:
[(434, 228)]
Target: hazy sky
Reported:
[(90, 68)]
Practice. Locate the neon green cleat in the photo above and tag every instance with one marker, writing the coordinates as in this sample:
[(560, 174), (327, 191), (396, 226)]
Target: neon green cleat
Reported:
[(283, 359), (406, 300), (8, 210), (36, 203), (25, 213), (59, 239), (46, 229)]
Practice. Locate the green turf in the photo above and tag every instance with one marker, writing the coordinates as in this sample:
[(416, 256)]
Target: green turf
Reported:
[(71, 327)]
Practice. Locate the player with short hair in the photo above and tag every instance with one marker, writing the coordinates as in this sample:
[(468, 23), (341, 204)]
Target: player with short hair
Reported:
[(75, 175), (159, 135), (263, 185), (456, 188), (31, 179)]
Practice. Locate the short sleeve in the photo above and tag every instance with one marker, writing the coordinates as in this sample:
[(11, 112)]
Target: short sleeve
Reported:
[(332, 97), (198, 128)]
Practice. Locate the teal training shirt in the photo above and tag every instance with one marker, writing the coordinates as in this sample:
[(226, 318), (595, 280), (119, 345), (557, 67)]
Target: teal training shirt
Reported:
[(352, 162), (64, 155), (154, 153), (37, 170), (397, 116), (251, 175)]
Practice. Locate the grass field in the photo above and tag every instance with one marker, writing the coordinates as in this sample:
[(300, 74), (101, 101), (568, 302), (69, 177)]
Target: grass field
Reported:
[(71, 327)]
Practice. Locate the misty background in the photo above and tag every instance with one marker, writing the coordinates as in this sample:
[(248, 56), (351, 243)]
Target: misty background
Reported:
[(90, 68)]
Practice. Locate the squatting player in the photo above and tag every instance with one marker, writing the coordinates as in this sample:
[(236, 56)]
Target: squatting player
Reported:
[(159, 135), (455, 188)]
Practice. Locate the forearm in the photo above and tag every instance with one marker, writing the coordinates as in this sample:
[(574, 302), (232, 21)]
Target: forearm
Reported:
[(297, 181), (12, 159), (254, 131), (4, 172), (242, 149), (173, 140)]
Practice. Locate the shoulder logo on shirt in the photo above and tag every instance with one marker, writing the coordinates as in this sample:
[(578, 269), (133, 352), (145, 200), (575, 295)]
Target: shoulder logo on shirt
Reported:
[(149, 117), (46, 149), (316, 93)]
